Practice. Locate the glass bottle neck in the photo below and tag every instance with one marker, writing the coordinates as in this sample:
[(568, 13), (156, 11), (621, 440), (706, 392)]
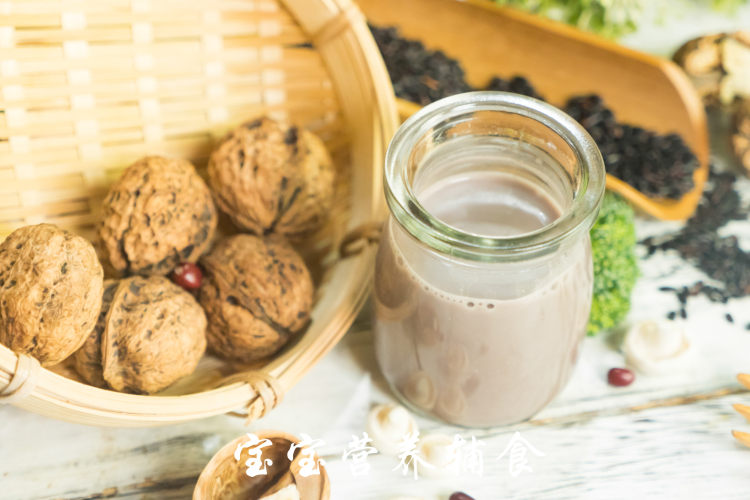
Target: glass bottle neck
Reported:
[(493, 176)]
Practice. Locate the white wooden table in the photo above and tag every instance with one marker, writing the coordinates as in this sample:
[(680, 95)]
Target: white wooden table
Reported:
[(662, 437)]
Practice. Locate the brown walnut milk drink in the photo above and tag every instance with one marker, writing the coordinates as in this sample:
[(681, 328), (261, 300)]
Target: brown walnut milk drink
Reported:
[(479, 322)]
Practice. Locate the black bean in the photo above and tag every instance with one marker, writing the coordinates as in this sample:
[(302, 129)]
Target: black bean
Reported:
[(460, 495)]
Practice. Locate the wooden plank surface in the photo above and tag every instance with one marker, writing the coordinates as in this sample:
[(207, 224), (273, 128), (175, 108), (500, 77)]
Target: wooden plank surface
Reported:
[(665, 451)]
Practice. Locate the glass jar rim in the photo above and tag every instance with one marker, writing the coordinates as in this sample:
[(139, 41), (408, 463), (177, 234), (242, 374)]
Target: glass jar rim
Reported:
[(413, 217)]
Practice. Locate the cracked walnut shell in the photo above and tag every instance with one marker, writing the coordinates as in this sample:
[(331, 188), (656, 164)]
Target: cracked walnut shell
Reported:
[(150, 333), (257, 294), (50, 292), (271, 177), (718, 65), (158, 214)]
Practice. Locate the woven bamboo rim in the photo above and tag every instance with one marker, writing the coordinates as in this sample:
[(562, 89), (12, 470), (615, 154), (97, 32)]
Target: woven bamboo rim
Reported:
[(85, 90)]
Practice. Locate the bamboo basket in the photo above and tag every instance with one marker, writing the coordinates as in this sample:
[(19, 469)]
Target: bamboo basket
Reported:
[(87, 87)]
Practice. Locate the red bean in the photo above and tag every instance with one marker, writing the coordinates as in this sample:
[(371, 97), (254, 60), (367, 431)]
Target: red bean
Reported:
[(620, 377), (460, 495), (188, 276)]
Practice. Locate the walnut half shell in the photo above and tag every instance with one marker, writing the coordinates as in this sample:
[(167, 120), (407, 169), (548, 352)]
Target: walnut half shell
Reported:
[(257, 294), (226, 475), (718, 65), (50, 292)]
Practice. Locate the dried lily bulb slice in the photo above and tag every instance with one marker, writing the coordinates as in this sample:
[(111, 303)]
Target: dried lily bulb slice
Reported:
[(388, 425), (440, 453), (657, 347)]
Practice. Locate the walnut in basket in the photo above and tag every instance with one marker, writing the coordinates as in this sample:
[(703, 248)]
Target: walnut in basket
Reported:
[(257, 294), (50, 292), (271, 177), (158, 214), (88, 359), (150, 333)]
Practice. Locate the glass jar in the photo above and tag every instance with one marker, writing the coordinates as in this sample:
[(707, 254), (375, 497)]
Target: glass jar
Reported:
[(483, 278)]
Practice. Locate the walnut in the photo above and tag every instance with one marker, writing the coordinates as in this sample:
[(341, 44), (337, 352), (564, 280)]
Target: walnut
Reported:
[(150, 333), (158, 214), (257, 294), (88, 359), (741, 134), (718, 65), (273, 178), (50, 292)]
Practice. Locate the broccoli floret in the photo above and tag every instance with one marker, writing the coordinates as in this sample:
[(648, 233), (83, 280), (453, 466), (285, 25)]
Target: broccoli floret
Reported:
[(615, 263)]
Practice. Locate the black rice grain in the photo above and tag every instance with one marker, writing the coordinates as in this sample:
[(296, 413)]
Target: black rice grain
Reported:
[(517, 85), (656, 165), (418, 74)]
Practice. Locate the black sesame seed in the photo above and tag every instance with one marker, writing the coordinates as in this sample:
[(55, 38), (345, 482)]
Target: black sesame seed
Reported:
[(699, 243)]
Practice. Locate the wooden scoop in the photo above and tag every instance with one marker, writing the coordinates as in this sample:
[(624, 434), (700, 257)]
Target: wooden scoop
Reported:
[(560, 61), (225, 478)]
